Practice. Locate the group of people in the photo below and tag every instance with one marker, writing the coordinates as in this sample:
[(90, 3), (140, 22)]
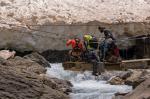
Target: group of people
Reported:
[(90, 49)]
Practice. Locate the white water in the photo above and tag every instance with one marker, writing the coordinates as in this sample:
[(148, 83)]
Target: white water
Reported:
[(84, 84)]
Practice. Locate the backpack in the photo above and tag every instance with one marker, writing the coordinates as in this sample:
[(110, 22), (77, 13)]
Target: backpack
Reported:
[(77, 48), (93, 43)]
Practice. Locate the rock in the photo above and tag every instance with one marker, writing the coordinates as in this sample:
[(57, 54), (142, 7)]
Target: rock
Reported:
[(6, 54), (107, 75), (54, 56), (140, 80), (54, 83), (2, 60), (119, 95), (26, 65), (38, 58), (124, 74), (141, 92), (20, 79), (137, 77), (115, 81)]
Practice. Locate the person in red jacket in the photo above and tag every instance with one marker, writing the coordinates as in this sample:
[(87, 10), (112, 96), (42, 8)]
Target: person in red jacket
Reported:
[(77, 48), (75, 43)]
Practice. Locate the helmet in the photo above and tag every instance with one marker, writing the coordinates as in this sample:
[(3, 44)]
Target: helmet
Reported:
[(77, 40), (87, 37), (101, 29)]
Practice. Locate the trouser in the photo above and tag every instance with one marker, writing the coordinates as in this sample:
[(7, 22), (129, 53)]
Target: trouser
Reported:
[(95, 67), (98, 67), (103, 48)]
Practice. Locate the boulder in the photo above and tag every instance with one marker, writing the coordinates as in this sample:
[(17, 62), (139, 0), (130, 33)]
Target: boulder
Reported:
[(141, 92), (107, 75), (6, 54), (38, 58), (20, 79), (140, 80), (116, 81), (137, 77), (132, 77), (57, 84), (26, 65)]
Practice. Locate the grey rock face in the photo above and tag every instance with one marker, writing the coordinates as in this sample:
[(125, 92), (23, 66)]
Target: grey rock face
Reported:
[(54, 37)]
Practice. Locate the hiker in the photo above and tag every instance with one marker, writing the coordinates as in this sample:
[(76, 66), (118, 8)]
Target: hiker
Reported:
[(105, 45), (77, 48), (113, 54), (107, 33), (91, 44)]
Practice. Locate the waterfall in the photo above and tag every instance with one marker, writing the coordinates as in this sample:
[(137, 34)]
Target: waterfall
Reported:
[(85, 86)]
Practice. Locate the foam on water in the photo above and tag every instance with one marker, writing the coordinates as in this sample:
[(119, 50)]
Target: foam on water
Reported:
[(84, 84)]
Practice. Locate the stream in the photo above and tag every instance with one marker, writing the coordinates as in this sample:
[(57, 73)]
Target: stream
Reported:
[(85, 86)]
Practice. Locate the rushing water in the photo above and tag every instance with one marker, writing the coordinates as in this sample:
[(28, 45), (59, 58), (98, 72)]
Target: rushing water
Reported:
[(84, 84)]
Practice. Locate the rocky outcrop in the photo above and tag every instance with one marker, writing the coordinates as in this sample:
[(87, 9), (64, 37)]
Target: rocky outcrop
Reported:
[(22, 79), (139, 79), (132, 77), (116, 81), (48, 37), (60, 85), (108, 75), (38, 58), (54, 56), (140, 92)]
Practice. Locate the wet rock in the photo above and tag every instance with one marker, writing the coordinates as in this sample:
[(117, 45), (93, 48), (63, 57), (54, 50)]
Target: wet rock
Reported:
[(141, 92), (116, 81), (109, 74), (137, 77), (38, 58), (132, 77), (119, 95), (140, 80), (20, 79), (57, 84)]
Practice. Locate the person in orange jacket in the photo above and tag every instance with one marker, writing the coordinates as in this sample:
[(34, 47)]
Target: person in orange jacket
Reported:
[(75, 43), (77, 48)]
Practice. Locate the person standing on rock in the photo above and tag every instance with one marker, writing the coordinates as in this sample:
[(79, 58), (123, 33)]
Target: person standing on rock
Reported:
[(104, 45), (107, 33), (91, 44), (77, 48)]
